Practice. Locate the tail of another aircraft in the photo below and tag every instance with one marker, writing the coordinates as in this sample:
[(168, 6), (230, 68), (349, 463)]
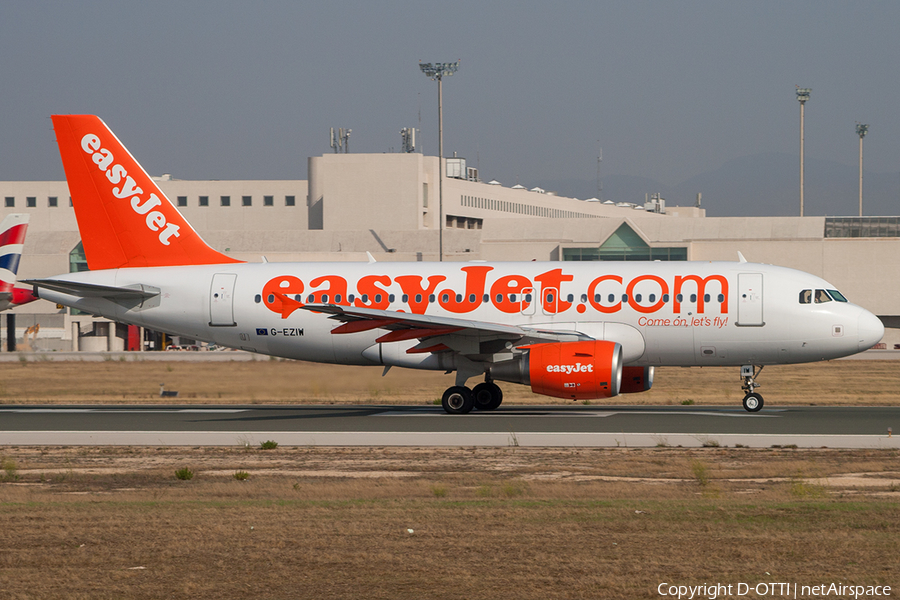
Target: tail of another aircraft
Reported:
[(12, 237), (124, 218)]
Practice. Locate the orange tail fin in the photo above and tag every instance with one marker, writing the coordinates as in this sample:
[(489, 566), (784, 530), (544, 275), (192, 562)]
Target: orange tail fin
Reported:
[(124, 218)]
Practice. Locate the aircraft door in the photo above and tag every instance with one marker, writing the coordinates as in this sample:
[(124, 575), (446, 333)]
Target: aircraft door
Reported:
[(221, 300), (750, 300)]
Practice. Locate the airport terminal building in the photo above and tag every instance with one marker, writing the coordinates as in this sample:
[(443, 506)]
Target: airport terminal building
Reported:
[(388, 205)]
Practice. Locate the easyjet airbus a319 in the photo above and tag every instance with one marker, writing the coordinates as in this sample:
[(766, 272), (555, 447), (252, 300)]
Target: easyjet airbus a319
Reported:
[(569, 330)]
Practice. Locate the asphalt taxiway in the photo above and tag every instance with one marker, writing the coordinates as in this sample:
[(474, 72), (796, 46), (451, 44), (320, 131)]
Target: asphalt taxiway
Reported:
[(354, 425)]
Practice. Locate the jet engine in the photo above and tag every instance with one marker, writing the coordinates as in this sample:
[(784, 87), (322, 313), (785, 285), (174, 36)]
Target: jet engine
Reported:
[(636, 379), (576, 370)]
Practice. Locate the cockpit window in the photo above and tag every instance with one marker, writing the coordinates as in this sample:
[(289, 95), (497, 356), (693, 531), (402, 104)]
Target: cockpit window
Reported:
[(837, 295), (805, 296), (822, 296)]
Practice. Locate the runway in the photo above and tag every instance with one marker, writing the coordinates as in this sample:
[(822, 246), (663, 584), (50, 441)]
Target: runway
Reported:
[(353, 425)]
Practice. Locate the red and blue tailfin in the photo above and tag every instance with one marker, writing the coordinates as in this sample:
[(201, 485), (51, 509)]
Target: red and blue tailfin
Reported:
[(12, 238)]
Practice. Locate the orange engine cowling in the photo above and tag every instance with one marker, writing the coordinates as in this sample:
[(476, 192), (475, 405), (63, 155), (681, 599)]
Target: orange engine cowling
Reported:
[(636, 379), (576, 370)]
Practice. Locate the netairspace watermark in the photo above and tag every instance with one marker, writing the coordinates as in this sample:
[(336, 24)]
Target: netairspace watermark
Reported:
[(712, 591)]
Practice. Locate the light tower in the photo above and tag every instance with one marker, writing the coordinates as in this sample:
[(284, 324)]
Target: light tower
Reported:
[(438, 71), (802, 96), (861, 130)]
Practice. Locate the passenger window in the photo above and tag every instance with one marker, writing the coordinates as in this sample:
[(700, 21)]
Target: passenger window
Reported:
[(324, 298), (404, 298), (693, 297), (418, 297), (822, 296), (706, 297), (805, 296), (721, 298), (337, 298), (584, 297), (637, 297), (258, 299), (652, 298)]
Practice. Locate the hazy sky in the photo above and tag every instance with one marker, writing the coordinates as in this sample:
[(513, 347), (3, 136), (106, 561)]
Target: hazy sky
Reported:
[(248, 90)]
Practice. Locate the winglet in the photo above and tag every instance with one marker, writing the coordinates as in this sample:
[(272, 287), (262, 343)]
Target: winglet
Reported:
[(371, 258), (741, 257), (124, 218)]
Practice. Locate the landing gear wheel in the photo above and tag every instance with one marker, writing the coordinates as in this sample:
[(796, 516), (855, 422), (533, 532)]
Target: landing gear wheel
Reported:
[(458, 400), (753, 402), (488, 396)]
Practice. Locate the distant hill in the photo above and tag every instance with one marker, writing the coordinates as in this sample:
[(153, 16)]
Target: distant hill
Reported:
[(759, 185)]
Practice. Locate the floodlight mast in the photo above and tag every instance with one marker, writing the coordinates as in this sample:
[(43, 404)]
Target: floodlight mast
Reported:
[(802, 97), (861, 130), (438, 71)]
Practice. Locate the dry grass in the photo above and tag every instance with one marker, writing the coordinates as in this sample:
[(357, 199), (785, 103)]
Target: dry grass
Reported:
[(505, 523), (853, 382), (486, 523)]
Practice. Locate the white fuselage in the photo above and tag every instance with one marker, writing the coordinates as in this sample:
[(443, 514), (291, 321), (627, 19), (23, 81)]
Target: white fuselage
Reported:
[(663, 313)]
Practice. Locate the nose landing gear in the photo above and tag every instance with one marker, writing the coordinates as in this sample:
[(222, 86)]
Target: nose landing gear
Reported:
[(753, 402)]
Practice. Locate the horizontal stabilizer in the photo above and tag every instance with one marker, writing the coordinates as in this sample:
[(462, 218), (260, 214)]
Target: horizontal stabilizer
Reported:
[(91, 290)]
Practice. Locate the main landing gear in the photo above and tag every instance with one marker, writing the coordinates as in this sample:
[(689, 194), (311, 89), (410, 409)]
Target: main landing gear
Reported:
[(753, 402), (459, 400)]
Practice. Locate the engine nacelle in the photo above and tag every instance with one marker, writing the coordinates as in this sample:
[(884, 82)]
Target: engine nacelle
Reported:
[(576, 370), (636, 379)]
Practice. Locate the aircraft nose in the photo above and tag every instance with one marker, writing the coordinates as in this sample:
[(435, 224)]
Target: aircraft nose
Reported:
[(871, 330)]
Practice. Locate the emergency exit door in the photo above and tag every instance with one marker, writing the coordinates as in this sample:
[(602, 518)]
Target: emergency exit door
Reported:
[(750, 300), (221, 300)]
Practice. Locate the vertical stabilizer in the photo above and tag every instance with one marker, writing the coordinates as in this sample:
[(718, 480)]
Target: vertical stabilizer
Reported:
[(12, 238), (124, 218)]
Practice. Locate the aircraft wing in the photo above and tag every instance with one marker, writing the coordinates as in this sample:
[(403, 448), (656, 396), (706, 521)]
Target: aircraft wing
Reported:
[(474, 339)]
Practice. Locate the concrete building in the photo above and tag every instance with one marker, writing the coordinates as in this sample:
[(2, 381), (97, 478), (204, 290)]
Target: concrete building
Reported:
[(388, 205)]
